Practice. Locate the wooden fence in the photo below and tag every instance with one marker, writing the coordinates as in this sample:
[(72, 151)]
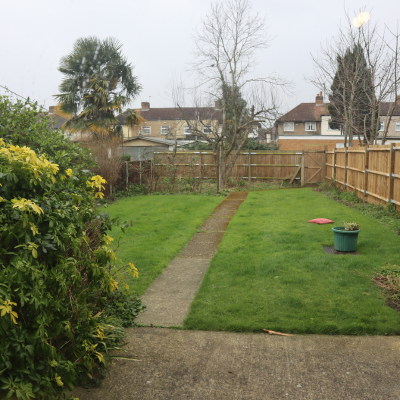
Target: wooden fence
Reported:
[(306, 166), (372, 172)]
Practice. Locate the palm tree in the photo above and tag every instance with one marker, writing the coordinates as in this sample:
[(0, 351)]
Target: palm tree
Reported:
[(133, 118), (97, 83)]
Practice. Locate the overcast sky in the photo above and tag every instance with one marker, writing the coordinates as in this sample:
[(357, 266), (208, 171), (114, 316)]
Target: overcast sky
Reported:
[(157, 39)]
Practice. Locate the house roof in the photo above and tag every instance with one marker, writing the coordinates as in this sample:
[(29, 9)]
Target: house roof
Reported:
[(386, 108), (57, 121), (310, 112), (150, 139), (168, 114), (305, 112)]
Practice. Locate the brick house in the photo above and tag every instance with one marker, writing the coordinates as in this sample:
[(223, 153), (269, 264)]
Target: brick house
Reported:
[(167, 123), (307, 126)]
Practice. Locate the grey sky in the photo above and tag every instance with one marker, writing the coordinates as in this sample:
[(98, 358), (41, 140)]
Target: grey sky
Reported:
[(157, 39)]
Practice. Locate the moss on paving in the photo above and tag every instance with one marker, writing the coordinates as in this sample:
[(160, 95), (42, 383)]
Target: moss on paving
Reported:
[(271, 271)]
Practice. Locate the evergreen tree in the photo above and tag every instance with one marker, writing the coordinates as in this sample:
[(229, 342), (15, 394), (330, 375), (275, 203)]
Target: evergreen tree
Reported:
[(351, 100)]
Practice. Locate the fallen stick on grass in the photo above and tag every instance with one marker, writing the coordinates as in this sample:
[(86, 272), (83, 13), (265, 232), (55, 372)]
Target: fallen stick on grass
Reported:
[(276, 333)]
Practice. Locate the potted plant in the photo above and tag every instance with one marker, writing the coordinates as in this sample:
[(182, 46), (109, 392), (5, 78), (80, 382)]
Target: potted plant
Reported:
[(345, 237)]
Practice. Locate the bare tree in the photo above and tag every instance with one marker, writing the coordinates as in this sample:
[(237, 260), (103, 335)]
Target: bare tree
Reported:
[(359, 71), (225, 51)]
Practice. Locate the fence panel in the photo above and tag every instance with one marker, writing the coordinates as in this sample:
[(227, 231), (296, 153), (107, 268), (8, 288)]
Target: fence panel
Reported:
[(373, 172), (249, 165)]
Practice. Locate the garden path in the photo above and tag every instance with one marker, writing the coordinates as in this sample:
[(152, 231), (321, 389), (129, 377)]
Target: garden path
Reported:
[(169, 297), (196, 365)]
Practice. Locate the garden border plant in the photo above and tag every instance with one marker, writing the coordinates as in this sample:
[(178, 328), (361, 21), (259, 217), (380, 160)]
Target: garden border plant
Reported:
[(387, 215), (57, 266)]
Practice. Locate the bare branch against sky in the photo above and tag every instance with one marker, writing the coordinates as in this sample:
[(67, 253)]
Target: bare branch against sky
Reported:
[(156, 36)]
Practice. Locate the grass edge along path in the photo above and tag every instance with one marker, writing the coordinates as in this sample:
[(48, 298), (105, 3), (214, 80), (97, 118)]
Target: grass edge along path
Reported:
[(161, 227), (271, 272)]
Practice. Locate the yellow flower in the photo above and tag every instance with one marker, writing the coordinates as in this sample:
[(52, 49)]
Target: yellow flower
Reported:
[(24, 205), (100, 332), (99, 194), (59, 381), (34, 228), (98, 180), (6, 308), (108, 239), (134, 270), (1, 199), (69, 172), (100, 357), (113, 284)]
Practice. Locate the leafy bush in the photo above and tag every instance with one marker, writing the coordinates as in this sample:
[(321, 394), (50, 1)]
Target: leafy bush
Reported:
[(22, 124), (124, 306), (56, 272)]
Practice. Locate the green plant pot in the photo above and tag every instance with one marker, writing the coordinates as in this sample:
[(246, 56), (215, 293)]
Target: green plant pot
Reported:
[(345, 240)]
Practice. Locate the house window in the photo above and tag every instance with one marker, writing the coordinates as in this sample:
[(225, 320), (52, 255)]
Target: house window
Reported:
[(288, 127), (381, 126), (397, 126), (146, 130), (207, 129), (186, 130), (164, 130), (311, 126)]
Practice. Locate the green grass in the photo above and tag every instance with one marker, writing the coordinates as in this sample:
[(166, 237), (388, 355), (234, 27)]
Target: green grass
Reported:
[(271, 272), (161, 226)]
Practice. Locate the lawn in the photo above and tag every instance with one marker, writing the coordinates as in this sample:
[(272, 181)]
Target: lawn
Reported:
[(271, 272), (161, 227)]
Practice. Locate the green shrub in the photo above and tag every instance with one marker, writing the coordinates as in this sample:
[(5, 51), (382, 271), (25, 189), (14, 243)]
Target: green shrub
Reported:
[(124, 306), (22, 124), (56, 272)]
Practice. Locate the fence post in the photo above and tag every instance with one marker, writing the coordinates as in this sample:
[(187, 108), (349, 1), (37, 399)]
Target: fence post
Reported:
[(324, 165), (140, 172), (151, 171), (390, 172), (201, 167), (249, 166), (366, 171), (303, 173), (333, 164), (346, 171), (127, 174)]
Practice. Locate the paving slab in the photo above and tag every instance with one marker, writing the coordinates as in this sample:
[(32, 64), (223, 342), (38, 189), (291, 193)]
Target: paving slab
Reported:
[(169, 297), (198, 365), (218, 224)]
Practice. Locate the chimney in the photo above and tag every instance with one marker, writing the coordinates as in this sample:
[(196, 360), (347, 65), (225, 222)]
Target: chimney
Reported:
[(52, 109), (398, 99), (216, 105), (319, 100), (145, 105)]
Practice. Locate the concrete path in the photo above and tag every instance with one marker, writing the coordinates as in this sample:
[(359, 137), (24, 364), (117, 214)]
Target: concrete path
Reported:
[(178, 364), (169, 297)]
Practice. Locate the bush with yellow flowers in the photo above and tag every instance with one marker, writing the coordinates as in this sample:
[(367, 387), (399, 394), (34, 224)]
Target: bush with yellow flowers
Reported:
[(56, 266)]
